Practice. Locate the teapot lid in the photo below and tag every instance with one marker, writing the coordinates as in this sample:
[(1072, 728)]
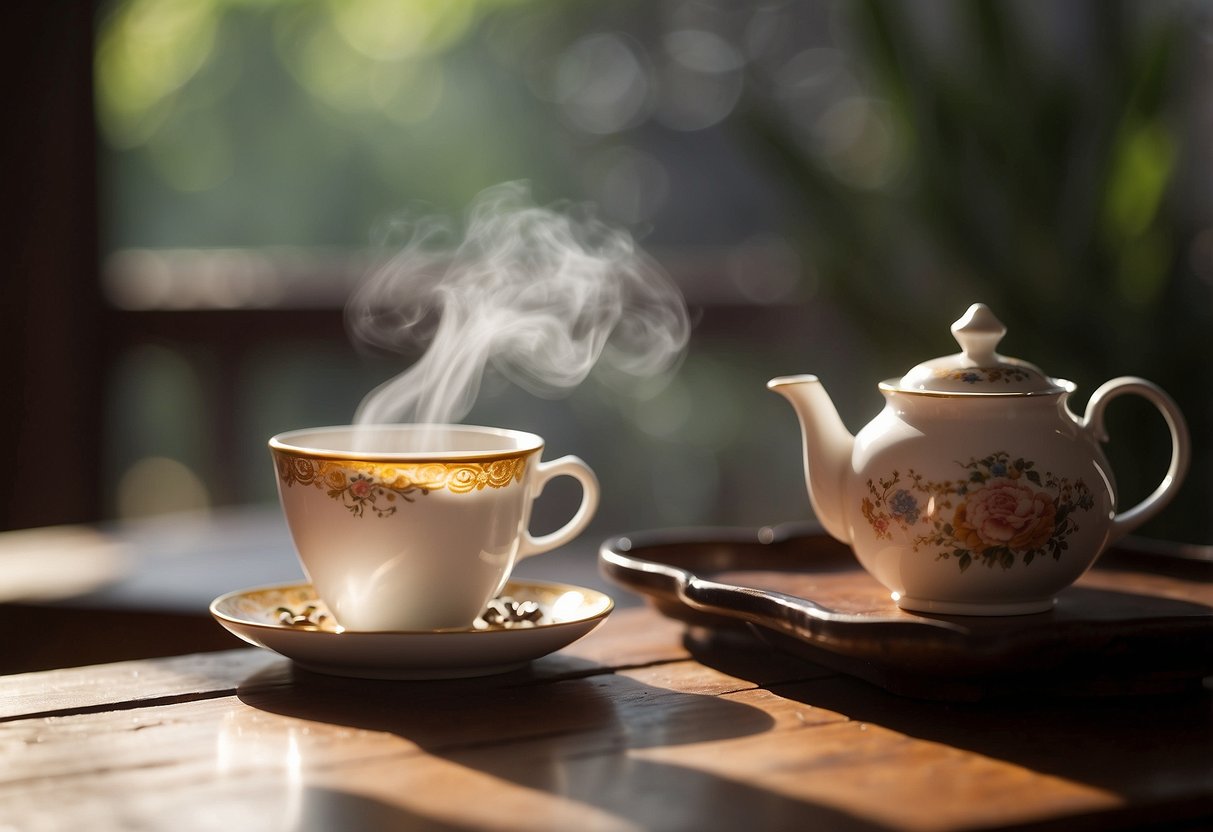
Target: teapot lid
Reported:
[(977, 368)]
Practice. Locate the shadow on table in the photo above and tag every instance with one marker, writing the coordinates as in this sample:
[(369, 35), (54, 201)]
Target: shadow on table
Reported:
[(326, 810), (1152, 750), (48, 637), (568, 737)]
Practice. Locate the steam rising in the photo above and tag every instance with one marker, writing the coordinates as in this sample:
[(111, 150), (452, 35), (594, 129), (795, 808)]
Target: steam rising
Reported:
[(539, 293)]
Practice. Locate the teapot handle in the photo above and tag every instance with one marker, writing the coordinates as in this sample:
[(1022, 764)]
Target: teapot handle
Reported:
[(1128, 520)]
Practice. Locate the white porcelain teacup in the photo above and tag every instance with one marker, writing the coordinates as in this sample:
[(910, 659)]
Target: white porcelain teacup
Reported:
[(417, 527)]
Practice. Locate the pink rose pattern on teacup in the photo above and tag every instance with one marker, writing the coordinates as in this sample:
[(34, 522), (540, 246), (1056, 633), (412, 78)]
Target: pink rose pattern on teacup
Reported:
[(1003, 510)]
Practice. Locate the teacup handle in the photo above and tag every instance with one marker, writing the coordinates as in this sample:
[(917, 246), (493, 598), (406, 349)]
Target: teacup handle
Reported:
[(1126, 521), (565, 466)]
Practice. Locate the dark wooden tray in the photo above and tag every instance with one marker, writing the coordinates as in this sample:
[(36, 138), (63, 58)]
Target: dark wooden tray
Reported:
[(1140, 621)]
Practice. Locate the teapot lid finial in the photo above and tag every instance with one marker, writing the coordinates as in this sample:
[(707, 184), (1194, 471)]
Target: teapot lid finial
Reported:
[(978, 333), (977, 369)]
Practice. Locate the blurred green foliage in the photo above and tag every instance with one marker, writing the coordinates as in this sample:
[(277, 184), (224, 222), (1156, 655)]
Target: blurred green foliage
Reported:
[(1047, 159), (1052, 188), (301, 122)]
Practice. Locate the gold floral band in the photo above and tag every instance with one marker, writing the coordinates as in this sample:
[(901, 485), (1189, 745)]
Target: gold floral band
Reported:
[(360, 484)]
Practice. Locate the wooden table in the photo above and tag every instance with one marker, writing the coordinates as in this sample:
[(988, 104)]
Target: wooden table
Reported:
[(641, 725)]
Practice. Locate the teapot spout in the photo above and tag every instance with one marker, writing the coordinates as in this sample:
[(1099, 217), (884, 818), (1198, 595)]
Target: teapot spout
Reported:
[(828, 446)]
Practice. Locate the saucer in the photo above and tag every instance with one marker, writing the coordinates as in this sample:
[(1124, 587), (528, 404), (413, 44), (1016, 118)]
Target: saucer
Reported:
[(263, 617)]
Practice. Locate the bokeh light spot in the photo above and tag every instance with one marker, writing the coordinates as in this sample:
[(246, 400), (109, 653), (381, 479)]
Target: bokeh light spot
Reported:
[(602, 84)]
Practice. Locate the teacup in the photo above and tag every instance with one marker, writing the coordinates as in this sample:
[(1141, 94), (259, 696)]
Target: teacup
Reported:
[(417, 527)]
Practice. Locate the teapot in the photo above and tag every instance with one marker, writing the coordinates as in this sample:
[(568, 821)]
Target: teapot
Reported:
[(975, 491)]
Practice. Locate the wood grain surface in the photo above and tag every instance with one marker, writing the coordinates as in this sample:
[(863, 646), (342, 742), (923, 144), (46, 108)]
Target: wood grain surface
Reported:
[(641, 725)]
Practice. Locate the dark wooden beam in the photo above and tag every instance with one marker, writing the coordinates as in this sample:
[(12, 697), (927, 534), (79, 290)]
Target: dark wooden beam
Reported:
[(54, 348)]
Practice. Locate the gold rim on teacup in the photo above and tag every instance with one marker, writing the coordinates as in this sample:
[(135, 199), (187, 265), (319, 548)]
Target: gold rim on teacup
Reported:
[(378, 480), (526, 444)]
